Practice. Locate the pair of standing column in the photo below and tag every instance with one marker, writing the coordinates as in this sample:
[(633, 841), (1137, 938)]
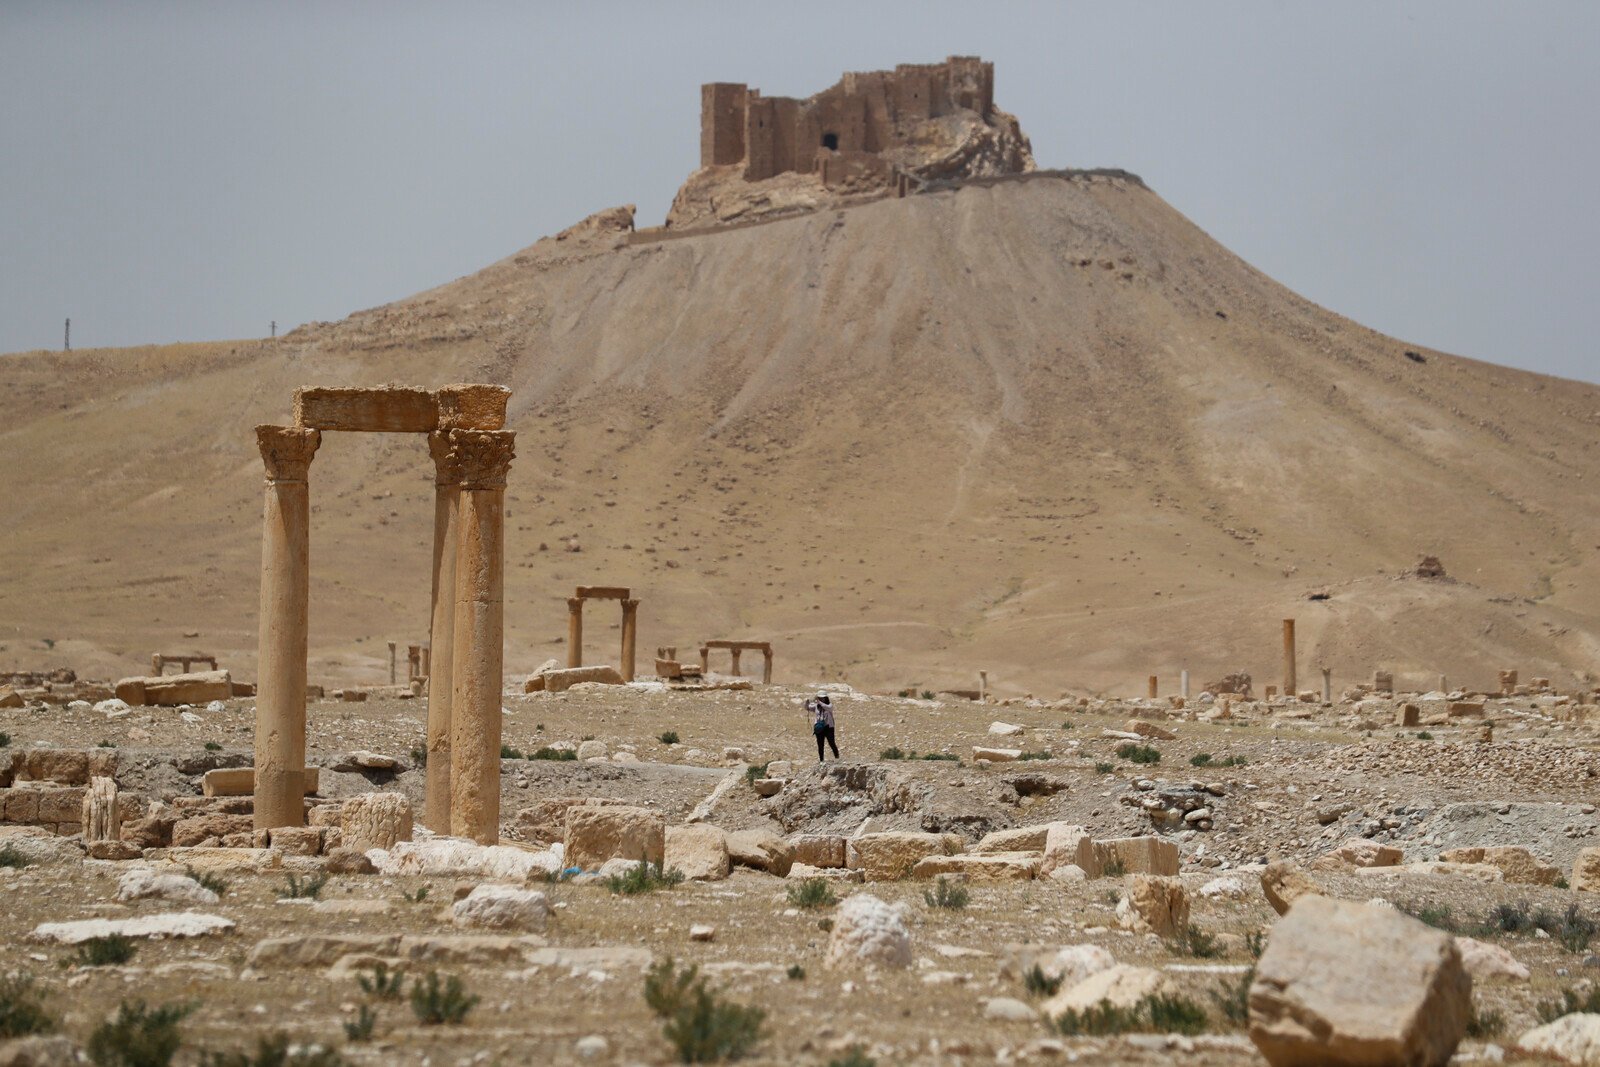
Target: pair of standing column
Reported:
[(463, 774)]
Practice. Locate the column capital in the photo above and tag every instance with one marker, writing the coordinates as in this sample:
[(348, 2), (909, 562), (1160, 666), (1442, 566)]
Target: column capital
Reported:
[(287, 451), (446, 461), (575, 604), (630, 606), (483, 456)]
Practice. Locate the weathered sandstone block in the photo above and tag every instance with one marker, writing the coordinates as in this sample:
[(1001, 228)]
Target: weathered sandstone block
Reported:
[(375, 820), (891, 855), (170, 690), (599, 833), (699, 851)]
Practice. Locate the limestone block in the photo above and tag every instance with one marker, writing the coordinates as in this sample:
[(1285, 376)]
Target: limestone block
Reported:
[(1283, 883), (454, 855), (1483, 960), (699, 851), (375, 820), (198, 829), (1021, 839), (761, 850), (768, 787), (39, 845), (388, 409), (63, 766), (173, 924), (296, 840), (1466, 709), (170, 690), (1585, 870), (1517, 863), (114, 850), (1135, 855), (996, 755), (241, 782), (1573, 1039), (21, 805), (1061, 843), (546, 821), (802, 871), (62, 805), (144, 883), (102, 815), (500, 907), (599, 833), (818, 850), (349, 861), (1346, 983), (1124, 985), (1410, 715), (562, 680), (891, 855), (1150, 730), (592, 750), (985, 867), (867, 930), (10, 698), (1359, 852), (325, 815), (1070, 964), (1153, 904)]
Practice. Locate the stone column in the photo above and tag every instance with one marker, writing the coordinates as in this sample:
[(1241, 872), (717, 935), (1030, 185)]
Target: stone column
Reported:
[(1153, 689), (281, 664), (1183, 684), (441, 632), (630, 637), (735, 652), (705, 661), (156, 663), (1289, 690), (766, 666), (393, 662), (477, 674), (1327, 685), (983, 687), (102, 820), (574, 631)]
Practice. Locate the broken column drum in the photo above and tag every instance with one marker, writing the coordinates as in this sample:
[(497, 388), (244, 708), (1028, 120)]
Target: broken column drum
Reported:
[(280, 743), (476, 663)]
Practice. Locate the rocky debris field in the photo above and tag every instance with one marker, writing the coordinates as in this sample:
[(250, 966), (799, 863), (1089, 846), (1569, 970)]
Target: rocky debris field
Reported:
[(1380, 880)]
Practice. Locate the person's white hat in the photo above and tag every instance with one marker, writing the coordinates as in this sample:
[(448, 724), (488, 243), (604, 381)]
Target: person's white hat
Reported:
[(824, 698)]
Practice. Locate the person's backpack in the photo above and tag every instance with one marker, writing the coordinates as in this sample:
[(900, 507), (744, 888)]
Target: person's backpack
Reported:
[(818, 723)]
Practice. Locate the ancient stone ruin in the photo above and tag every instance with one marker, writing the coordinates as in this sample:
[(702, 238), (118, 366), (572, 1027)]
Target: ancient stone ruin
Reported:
[(735, 648), (630, 624), (472, 453)]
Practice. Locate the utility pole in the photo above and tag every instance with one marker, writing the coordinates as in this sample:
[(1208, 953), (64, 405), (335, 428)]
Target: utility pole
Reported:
[(66, 342), (274, 328)]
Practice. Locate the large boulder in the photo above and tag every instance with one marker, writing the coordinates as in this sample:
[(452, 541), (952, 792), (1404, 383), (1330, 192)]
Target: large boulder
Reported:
[(500, 907), (699, 851), (818, 850), (891, 855), (1586, 871), (170, 690), (142, 883), (866, 930), (1358, 984), (1152, 904), (1571, 1039), (599, 833), (562, 680), (1515, 862), (1283, 883), (1061, 843), (1021, 839), (1123, 985), (761, 850), (1483, 960), (1127, 855)]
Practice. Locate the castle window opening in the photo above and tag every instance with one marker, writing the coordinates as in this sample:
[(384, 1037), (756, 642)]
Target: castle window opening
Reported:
[(831, 141)]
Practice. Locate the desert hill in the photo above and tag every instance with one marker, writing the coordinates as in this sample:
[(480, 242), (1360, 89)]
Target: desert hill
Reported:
[(1042, 425)]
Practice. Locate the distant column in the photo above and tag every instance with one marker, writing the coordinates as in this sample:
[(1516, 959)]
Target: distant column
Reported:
[(441, 632), (630, 637), (1153, 687), (1444, 684), (1289, 690), (705, 661), (574, 631), (983, 687), (392, 663), (766, 665), (735, 652), (477, 669), (1183, 684), (1327, 686), (285, 588)]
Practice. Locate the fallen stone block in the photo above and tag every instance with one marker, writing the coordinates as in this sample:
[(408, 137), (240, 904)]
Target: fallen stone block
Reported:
[(1061, 843), (1283, 883), (1359, 852), (39, 846), (143, 883), (170, 690), (818, 850), (457, 855), (996, 755), (1127, 855), (172, 924), (241, 782), (319, 950), (699, 851), (891, 855), (10, 698), (1153, 904), (200, 829), (1149, 730), (803, 871), (596, 834), (987, 867), (760, 850), (1068, 965), (501, 907), (220, 860), (560, 681), (1358, 984), (867, 930), (1483, 960), (1586, 871), (375, 820), (1572, 1039), (1122, 985), (1517, 864), (1021, 839)]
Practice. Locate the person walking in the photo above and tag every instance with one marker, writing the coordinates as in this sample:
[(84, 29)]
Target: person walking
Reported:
[(821, 709)]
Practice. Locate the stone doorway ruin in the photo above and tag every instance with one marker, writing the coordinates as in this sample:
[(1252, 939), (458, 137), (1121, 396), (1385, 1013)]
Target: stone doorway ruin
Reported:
[(630, 624), (736, 647), (472, 453)]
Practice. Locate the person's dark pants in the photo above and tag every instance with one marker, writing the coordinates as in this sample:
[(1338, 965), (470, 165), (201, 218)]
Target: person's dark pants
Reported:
[(826, 734)]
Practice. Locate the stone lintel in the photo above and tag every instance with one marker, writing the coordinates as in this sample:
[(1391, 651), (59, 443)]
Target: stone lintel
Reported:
[(388, 409), (760, 646), (473, 407), (602, 592)]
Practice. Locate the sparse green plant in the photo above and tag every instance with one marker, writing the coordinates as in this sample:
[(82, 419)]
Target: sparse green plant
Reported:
[(700, 1024), (1101, 767), (644, 877), (5, 740), (310, 889), (22, 1010), (138, 1035), (894, 752), (275, 1051), (1508, 919), (1193, 941), (1039, 984), (416, 896), (1572, 928), (1423, 735), (1200, 759), (560, 755), (208, 880), (11, 857), (1066, 724), (1098, 1020), (855, 1057), (927, 694), (1113, 868), (381, 983), (360, 1028), (825, 924), (947, 894), (940, 756), (1255, 943), (1561, 882), (1041, 754), (109, 951), (1232, 761), (212, 746), (1157, 1012), (1484, 1025), (1143, 754), (1234, 999), (1571, 1001), (507, 752), (668, 737), (812, 893), (796, 973), (419, 756), (1173, 1014), (437, 1003), (104, 744), (538, 727), (755, 771), (906, 693)]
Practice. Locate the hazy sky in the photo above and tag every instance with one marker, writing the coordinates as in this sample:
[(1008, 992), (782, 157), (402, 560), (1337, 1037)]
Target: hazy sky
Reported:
[(192, 171)]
